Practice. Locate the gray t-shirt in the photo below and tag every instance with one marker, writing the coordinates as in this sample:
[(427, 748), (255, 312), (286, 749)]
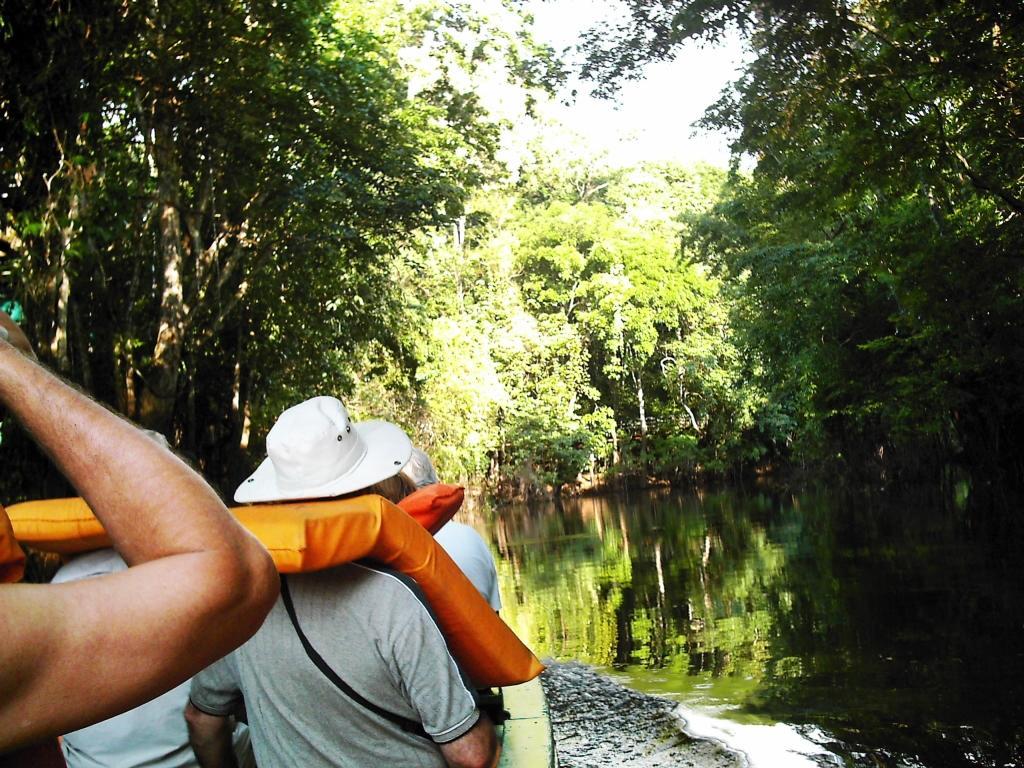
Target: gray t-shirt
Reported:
[(374, 630)]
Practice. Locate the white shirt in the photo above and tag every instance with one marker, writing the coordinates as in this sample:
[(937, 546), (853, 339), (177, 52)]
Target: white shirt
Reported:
[(153, 734), (467, 548)]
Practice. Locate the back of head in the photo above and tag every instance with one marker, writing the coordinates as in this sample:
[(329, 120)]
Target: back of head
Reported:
[(419, 470), (394, 489)]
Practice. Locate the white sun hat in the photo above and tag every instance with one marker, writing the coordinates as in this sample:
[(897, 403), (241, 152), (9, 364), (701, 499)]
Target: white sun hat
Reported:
[(315, 451)]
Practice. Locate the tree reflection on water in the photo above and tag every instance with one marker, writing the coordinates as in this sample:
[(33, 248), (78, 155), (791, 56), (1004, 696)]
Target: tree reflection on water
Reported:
[(895, 626)]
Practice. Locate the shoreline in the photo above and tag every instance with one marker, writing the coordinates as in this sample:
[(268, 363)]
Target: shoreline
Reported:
[(599, 723)]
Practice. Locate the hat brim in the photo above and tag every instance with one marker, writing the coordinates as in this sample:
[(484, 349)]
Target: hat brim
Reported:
[(388, 449)]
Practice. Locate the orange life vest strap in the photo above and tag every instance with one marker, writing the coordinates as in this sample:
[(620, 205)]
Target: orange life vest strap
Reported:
[(12, 558), (311, 536), (68, 526)]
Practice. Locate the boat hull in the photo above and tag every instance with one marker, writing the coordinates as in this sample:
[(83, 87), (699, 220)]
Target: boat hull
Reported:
[(526, 739)]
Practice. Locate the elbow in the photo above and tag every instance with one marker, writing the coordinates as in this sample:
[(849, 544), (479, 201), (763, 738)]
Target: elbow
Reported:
[(477, 749), (260, 583), (247, 586), (194, 718), (480, 758), (205, 730)]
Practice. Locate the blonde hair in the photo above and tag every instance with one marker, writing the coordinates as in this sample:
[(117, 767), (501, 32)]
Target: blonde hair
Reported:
[(394, 488)]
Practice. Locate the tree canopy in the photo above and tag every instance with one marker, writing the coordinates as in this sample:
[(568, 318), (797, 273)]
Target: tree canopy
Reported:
[(210, 212), (874, 248)]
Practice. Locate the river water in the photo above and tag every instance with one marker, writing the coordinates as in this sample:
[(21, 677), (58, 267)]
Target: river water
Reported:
[(802, 629)]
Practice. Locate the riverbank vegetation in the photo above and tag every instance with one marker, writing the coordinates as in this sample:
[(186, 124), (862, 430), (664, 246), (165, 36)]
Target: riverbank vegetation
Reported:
[(876, 244), (212, 212)]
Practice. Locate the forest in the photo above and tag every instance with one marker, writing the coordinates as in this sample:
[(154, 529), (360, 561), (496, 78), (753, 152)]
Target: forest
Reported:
[(211, 211)]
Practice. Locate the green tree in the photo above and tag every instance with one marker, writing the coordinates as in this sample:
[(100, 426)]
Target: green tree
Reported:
[(219, 197), (875, 249)]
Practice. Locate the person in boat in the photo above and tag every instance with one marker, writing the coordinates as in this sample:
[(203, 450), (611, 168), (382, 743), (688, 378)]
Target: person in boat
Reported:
[(199, 585), (462, 543), (350, 667), (153, 734)]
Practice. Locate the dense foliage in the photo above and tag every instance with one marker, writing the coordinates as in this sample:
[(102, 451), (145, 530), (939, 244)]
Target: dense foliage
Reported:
[(566, 335), (202, 203), (209, 212), (875, 251)]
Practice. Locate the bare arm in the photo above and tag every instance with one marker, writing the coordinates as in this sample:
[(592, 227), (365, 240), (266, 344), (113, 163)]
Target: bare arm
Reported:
[(76, 653), (476, 748), (210, 737)]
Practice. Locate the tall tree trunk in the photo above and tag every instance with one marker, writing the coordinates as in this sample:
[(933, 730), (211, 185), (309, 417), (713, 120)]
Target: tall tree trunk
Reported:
[(641, 404), (59, 349), (234, 444), (59, 343), (160, 387), (124, 356), (82, 356), (641, 408)]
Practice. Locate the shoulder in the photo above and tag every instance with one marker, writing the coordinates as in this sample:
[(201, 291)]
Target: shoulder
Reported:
[(374, 581), (459, 535), (352, 581), (371, 595), (465, 546)]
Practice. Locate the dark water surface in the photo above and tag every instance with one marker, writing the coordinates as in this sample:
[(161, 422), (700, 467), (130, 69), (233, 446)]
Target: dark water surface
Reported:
[(889, 631)]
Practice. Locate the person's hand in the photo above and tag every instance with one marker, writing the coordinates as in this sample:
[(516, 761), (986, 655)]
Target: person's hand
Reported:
[(13, 335)]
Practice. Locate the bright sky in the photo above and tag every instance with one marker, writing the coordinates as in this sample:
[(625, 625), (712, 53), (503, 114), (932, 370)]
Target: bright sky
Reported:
[(653, 117)]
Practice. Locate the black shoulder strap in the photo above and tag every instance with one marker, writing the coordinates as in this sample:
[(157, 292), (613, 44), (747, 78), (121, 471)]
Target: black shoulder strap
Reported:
[(407, 725)]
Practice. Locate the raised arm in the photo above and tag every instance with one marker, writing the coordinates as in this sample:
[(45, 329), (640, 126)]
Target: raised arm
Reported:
[(72, 654)]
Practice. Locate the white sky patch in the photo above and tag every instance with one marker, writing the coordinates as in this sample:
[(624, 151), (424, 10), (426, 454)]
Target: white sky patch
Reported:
[(652, 119)]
